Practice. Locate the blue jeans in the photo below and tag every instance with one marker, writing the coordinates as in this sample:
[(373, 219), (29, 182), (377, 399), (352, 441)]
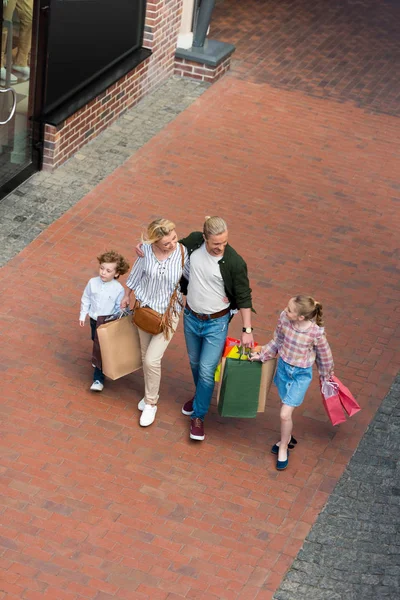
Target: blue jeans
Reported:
[(205, 342), (98, 374)]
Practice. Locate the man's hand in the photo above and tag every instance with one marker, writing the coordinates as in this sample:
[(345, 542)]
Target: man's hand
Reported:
[(247, 340), (139, 251), (82, 323)]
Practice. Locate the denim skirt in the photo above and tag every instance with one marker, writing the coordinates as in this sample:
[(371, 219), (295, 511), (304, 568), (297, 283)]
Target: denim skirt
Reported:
[(292, 382)]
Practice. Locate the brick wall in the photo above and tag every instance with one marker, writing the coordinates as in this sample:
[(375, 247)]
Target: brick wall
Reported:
[(163, 19), (201, 72)]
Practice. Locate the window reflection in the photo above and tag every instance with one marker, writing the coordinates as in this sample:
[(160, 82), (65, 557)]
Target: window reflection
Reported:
[(15, 134), (21, 27)]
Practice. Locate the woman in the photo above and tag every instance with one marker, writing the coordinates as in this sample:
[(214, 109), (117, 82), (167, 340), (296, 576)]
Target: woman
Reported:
[(154, 279)]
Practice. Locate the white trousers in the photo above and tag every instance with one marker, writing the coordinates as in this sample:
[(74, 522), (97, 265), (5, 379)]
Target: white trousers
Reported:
[(152, 349)]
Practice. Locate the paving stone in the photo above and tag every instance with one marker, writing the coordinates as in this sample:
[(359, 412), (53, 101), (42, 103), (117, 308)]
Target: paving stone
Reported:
[(309, 188), (345, 50), (356, 543)]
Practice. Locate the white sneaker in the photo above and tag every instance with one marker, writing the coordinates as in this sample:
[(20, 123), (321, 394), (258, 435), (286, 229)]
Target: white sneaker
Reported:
[(3, 75), (24, 71), (148, 415), (141, 404), (97, 386)]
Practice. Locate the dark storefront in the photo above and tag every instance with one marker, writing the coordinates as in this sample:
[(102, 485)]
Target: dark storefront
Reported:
[(57, 55)]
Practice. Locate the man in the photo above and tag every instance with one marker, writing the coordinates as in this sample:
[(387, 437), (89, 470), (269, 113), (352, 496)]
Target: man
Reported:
[(216, 283)]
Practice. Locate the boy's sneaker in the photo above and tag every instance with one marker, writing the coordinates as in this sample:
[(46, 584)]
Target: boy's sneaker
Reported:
[(148, 415), (97, 386), (141, 404), (196, 430), (187, 408)]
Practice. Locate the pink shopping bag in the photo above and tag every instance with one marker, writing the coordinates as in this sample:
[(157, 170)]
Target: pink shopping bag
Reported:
[(346, 398), (332, 404)]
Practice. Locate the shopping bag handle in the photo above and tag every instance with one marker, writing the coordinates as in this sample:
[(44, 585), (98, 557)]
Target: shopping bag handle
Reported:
[(244, 351), (124, 312)]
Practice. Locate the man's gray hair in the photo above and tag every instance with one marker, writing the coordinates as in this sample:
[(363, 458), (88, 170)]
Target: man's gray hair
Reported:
[(214, 226)]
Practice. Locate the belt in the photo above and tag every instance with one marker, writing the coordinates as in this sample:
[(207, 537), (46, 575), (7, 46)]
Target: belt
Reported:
[(216, 315)]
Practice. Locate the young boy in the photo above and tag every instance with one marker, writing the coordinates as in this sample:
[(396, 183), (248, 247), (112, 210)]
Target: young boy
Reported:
[(102, 296)]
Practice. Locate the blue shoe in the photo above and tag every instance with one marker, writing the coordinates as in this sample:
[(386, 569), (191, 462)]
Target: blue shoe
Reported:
[(291, 445), (282, 464)]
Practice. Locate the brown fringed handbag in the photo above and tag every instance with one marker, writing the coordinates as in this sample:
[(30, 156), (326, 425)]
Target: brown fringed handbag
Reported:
[(153, 322)]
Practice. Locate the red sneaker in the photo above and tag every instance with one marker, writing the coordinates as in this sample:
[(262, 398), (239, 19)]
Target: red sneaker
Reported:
[(196, 429), (187, 408)]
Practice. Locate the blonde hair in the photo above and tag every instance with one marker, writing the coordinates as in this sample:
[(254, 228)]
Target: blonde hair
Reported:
[(158, 229), (309, 308), (214, 226)]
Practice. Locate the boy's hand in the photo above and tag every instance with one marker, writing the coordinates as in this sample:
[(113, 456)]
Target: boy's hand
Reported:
[(82, 323), (139, 251)]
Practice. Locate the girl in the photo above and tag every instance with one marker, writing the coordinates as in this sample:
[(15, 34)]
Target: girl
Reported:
[(300, 340)]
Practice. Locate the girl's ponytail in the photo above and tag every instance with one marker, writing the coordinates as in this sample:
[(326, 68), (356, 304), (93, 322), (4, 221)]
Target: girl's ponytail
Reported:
[(309, 308), (318, 314)]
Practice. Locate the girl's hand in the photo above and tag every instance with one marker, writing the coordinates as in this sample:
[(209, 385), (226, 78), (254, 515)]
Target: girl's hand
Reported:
[(82, 323), (138, 250)]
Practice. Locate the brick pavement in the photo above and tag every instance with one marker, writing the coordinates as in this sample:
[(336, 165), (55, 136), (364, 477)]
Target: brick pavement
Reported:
[(346, 50), (353, 549), (91, 505)]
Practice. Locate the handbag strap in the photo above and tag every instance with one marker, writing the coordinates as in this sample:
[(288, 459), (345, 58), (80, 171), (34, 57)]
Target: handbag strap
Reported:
[(179, 280), (166, 318)]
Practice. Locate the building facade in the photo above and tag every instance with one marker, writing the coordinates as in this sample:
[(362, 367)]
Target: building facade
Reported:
[(71, 67)]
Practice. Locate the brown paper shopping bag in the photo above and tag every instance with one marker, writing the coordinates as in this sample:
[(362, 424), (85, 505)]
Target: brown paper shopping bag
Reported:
[(267, 375), (120, 347)]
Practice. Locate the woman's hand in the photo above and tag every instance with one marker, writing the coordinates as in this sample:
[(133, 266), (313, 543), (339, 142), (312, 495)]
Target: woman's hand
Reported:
[(138, 250), (125, 301), (82, 323), (254, 356)]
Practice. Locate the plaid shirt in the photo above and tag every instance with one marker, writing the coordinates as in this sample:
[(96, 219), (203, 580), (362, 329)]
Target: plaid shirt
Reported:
[(300, 348)]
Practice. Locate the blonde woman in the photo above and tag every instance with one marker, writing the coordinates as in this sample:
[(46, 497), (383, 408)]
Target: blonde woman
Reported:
[(154, 280)]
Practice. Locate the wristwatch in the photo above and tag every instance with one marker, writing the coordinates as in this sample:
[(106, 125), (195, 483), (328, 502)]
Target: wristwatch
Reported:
[(247, 329)]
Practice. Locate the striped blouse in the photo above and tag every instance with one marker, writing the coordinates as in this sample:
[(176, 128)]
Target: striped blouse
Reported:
[(299, 348), (153, 281)]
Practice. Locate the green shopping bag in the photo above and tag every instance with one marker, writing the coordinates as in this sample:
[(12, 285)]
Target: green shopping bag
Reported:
[(240, 389)]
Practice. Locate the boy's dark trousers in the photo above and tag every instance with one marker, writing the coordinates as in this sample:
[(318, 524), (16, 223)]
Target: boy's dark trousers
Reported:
[(98, 374)]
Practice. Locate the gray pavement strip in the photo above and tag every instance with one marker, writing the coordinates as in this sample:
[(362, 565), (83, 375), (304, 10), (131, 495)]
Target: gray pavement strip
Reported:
[(353, 550), (43, 198)]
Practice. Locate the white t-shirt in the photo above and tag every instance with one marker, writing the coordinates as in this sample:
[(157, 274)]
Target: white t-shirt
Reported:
[(206, 288)]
